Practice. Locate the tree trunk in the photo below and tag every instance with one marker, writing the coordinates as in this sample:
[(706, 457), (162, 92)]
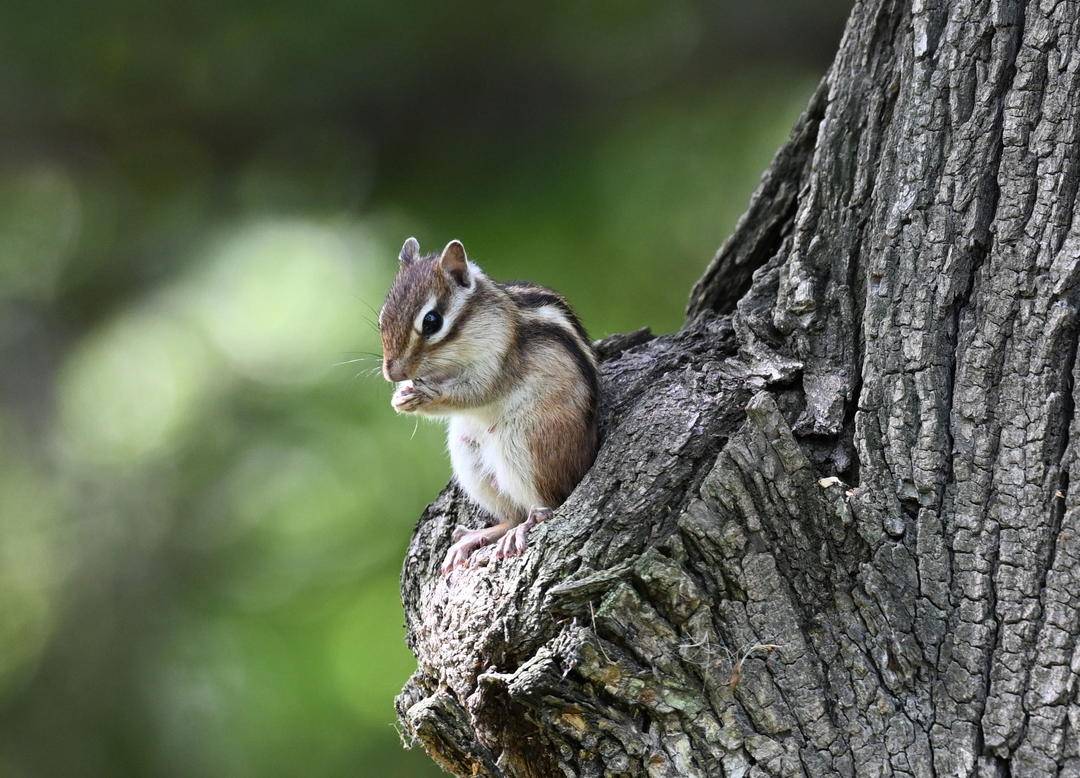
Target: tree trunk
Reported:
[(830, 529)]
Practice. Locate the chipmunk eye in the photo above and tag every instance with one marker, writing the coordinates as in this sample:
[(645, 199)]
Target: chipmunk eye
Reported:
[(431, 324)]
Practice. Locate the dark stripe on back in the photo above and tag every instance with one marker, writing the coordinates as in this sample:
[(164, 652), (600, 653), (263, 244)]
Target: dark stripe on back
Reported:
[(532, 296), (532, 331)]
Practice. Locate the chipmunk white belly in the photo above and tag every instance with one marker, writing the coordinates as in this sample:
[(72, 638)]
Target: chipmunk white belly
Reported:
[(491, 459)]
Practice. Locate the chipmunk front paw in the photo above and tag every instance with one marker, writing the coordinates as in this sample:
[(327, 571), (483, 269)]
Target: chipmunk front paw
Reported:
[(406, 398), (411, 396)]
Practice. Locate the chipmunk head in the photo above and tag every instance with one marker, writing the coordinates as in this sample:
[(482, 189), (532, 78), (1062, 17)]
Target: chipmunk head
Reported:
[(422, 319)]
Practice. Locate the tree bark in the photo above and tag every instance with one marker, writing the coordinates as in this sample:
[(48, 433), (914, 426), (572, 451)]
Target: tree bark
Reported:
[(830, 529)]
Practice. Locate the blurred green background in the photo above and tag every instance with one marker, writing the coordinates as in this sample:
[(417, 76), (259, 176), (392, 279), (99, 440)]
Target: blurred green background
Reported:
[(204, 495)]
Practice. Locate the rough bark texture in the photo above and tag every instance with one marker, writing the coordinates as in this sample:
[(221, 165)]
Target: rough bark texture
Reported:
[(830, 530)]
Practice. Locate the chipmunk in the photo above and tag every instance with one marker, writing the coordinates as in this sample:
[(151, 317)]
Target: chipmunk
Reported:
[(511, 369)]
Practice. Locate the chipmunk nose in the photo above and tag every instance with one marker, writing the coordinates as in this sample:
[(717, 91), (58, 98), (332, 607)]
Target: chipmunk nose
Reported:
[(393, 371)]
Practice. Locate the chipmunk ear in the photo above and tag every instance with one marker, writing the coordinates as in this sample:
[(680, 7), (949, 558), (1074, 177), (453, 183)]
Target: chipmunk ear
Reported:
[(454, 262), (410, 250)]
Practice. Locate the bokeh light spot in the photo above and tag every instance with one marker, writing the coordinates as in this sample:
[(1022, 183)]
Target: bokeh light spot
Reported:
[(281, 298), (131, 387)]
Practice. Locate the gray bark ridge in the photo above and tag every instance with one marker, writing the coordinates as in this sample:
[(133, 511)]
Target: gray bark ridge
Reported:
[(830, 529)]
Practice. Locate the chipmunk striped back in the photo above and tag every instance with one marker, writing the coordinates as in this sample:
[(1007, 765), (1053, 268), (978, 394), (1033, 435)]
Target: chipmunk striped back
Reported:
[(546, 315)]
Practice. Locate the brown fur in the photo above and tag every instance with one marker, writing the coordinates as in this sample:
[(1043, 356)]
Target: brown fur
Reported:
[(564, 446), (563, 451), (415, 281), (478, 298)]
